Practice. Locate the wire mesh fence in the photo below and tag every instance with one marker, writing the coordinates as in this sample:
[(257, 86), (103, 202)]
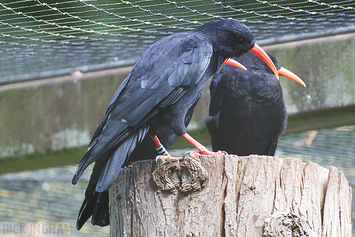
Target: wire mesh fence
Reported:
[(40, 38)]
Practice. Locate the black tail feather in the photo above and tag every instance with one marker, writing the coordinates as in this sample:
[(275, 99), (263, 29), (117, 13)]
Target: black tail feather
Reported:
[(100, 214), (104, 173), (96, 206)]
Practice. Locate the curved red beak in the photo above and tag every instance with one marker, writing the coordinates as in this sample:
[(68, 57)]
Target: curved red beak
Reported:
[(235, 63), (287, 73), (258, 51)]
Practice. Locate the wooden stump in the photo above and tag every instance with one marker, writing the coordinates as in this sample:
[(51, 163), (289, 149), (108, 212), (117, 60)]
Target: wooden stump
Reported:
[(230, 196)]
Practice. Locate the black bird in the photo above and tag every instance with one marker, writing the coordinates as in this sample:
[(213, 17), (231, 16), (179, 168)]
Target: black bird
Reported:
[(247, 112), (163, 86)]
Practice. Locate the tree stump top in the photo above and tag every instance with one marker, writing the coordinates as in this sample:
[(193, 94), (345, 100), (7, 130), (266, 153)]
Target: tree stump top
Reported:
[(230, 196)]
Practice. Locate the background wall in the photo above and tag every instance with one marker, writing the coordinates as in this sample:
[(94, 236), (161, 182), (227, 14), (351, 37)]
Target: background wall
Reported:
[(62, 112)]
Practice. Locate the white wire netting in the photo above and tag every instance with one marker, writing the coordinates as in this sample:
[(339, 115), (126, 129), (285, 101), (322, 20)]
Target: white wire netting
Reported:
[(40, 38)]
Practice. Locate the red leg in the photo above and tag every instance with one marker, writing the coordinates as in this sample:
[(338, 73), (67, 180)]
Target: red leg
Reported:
[(203, 150), (160, 148)]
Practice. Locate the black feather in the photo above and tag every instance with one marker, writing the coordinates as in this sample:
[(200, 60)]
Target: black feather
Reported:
[(247, 112)]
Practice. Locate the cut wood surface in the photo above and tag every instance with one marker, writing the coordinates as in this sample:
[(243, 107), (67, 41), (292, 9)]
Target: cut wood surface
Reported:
[(230, 196)]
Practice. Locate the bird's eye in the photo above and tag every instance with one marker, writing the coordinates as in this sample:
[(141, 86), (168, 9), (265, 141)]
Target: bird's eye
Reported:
[(240, 40)]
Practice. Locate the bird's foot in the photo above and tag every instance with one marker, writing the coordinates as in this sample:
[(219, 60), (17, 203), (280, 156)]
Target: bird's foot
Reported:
[(202, 149), (203, 152), (162, 157)]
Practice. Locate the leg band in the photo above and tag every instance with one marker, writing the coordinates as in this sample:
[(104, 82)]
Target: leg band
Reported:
[(161, 150)]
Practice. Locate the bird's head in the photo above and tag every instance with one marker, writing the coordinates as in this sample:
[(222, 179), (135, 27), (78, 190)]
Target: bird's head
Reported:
[(231, 38), (252, 62)]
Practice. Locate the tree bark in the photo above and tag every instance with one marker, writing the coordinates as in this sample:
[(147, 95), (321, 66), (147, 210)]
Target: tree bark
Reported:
[(230, 196)]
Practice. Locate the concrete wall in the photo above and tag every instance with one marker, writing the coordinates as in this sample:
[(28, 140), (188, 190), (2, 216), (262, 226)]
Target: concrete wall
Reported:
[(54, 113), (326, 65), (62, 112)]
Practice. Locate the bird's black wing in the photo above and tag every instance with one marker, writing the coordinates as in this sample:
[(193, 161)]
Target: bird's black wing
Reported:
[(158, 79)]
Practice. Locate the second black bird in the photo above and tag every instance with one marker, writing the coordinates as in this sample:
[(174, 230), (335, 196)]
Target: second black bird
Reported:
[(247, 112)]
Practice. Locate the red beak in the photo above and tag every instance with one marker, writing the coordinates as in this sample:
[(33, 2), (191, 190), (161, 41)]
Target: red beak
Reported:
[(284, 72), (258, 51), (235, 63)]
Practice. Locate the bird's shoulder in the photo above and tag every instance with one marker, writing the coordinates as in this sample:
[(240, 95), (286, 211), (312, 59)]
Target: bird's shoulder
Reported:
[(264, 85), (179, 53), (177, 60), (239, 86)]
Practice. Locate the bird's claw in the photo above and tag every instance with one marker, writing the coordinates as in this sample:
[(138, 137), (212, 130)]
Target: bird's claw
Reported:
[(186, 154), (162, 157), (156, 159), (223, 152)]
